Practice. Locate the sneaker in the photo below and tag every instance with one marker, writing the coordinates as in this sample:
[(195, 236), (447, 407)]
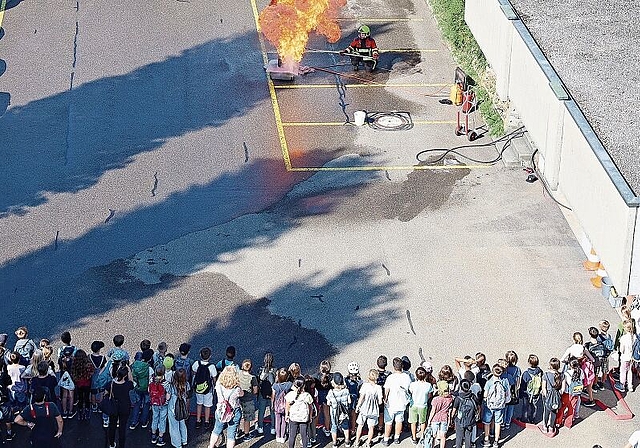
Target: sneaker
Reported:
[(273, 431), (495, 444), (10, 436), (487, 443), (154, 438), (327, 432), (160, 441), (312, 440), (386, 442), (260, 430), (248, 437), (198, 424), (397, 441), (112, 446), (414, 441), (105, 423), (133, 426), (94, 408), (72, 414), (590, 403), (207, 424), (144, 425)]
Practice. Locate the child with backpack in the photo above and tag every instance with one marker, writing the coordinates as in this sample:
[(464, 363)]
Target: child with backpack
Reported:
[(298, 412), (266, 378), (142, 373), (531, 389), (572, 388), (353, 382), (204, 374), (323, 386), (339, 402), (514, 376), (551, 394), (183, 361), (368, 407), (18, 388), (159, 405), (278, 403), (497, 393), (67, 387), (464, 411)]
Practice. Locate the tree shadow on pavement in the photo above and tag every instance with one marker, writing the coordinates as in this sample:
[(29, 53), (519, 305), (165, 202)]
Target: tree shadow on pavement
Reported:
[(67, 141)]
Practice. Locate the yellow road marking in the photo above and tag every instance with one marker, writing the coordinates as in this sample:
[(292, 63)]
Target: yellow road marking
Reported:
[(410, 50), (358, 86), (387, 168), (342, 123), (272, 94), (3, 5), (380, 19)]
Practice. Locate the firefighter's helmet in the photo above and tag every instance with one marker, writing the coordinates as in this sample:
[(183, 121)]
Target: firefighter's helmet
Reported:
[(364, 31)]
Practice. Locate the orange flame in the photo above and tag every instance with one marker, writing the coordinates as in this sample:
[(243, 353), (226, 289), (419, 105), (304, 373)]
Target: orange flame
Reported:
[(287, 24)]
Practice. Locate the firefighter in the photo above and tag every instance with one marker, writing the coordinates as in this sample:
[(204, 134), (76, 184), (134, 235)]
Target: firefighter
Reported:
[(365, 48)]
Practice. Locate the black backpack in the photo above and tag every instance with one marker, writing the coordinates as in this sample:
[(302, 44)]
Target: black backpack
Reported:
[(202, 380), (266, 384), (466, 415)]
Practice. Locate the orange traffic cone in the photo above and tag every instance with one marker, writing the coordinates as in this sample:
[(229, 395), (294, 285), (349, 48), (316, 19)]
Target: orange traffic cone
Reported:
[(597, 280), (592, 262)]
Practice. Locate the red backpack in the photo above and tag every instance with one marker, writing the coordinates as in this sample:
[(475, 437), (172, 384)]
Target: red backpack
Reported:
[(157, 394)]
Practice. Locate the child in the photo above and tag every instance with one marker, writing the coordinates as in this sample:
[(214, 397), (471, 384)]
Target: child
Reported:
[(183, 361), (24, 346), (368, 406), (158, 356), (67, 387), (117, 354), (439, 417), (626, 351), (298, 412), (353, 382), (159, 405), (572, 387), (278, 403), (421, 391), (310, 388), (266, 378), (65, 338), (530, 389), (18, 388), (81, 374), (249, 385), (608, 343), (339, 400), (204, 374)]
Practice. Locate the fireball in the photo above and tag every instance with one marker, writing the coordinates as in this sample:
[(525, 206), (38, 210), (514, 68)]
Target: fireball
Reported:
[(287, 24)]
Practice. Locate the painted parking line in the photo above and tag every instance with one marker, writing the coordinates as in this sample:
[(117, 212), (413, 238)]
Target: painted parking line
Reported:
[(3, 6), (342, 123), (380, 19), (280, 125), (387, 168), (360, 86)]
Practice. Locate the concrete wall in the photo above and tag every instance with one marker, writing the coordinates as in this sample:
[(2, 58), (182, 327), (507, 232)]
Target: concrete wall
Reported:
[(571, 158)]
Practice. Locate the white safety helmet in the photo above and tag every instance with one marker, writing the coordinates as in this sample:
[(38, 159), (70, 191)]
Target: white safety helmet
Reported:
[(353, 367)]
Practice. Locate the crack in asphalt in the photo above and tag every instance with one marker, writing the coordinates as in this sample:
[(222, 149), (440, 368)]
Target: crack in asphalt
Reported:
[(155, 184)]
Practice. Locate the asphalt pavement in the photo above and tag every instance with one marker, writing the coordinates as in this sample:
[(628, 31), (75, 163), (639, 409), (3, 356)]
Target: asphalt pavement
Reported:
[(155, 184)]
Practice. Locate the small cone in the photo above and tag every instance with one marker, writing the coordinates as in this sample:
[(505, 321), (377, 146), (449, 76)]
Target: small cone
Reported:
[(592, 262), (597, 280)]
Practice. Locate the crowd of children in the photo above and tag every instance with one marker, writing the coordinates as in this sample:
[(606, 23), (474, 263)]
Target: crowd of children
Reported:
[(156, 387)]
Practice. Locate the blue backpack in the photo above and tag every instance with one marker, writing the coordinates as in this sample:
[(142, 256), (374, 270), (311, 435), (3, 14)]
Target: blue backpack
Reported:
[(101, 378)]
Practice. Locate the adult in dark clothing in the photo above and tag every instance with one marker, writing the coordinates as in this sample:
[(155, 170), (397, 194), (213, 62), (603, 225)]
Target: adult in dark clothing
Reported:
[(464, 428), (45, 381), (119, 388), (44, 420)]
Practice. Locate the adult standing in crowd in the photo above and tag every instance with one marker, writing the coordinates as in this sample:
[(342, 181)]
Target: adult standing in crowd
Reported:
[(43, 419)]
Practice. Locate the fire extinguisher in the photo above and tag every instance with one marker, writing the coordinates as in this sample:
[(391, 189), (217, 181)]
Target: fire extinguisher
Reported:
[(455, 96)]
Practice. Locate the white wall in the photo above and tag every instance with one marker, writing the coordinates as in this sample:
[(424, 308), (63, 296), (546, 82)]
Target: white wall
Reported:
[(572, 159)]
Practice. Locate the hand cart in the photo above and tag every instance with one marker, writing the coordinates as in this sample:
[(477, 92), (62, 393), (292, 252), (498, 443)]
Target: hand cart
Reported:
[(468, 108)]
